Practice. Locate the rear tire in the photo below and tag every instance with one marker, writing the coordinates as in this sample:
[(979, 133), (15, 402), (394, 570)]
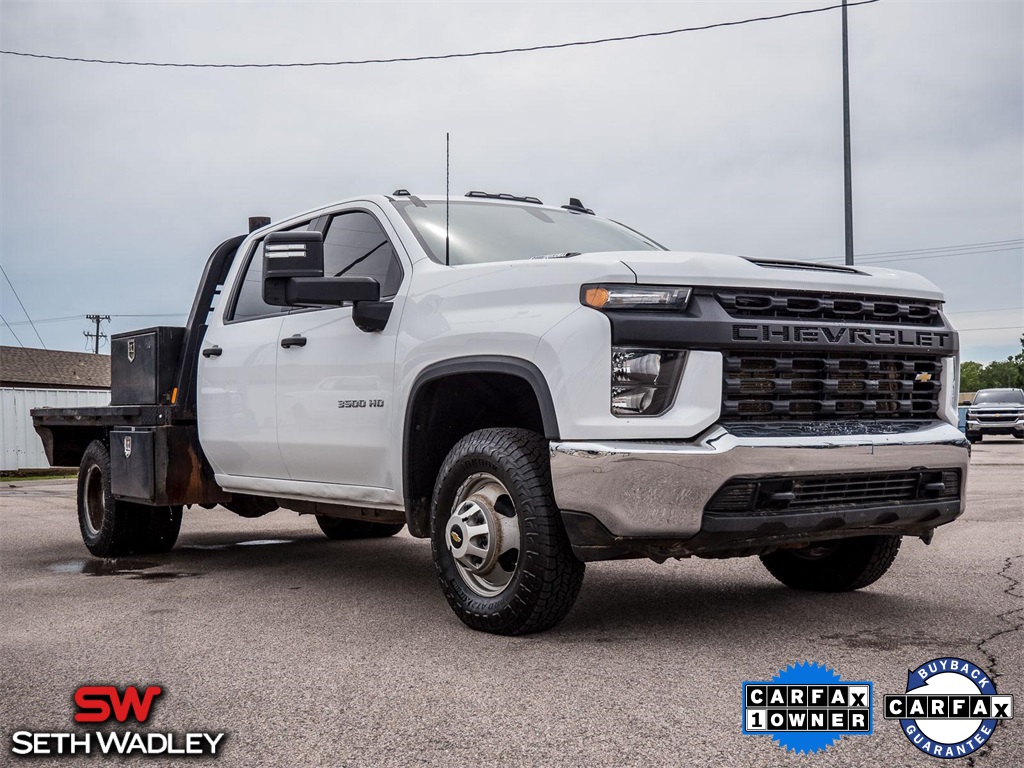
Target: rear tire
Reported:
[(834, 566), (499, 545), (340, 528), (112, 528)]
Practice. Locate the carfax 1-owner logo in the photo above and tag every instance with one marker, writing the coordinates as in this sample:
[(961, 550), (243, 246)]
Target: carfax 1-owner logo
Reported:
[(104, 708), (950, 708), (807, 708)]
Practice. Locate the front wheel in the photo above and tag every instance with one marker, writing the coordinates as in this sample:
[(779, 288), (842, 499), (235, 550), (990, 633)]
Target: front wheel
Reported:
[(834, 566), (111, 528), (499, 546)]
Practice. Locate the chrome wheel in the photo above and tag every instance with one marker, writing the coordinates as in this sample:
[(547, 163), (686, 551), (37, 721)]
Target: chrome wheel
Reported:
[(482, 535), (95, 501)]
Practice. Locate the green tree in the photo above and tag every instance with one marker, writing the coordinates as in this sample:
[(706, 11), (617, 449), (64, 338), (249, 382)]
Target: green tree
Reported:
[(997, 374), (1002, 373), (970, 376)]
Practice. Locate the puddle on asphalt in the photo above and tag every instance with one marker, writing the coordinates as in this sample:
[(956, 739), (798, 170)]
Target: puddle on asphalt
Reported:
[(252, 543), (262, 542), (130, 568), (137, 569)]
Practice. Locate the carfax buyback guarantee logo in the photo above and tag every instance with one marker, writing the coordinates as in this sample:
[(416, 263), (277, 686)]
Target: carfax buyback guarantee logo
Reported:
[(950, 708), (806, 708)]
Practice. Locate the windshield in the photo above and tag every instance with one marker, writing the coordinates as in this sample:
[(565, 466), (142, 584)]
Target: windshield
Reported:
[(485, 232), (1014, 396)]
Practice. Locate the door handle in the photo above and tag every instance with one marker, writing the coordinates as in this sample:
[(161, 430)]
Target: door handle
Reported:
[(293, 341), (213, 351)]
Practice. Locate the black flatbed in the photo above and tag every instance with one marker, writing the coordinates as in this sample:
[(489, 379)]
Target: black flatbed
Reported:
[(114, 416)]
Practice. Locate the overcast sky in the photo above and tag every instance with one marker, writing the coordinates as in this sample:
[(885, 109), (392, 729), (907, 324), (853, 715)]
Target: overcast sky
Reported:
[(117, 182)]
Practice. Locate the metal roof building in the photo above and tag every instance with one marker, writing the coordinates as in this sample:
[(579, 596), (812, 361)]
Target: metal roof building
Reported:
[(37, 378)]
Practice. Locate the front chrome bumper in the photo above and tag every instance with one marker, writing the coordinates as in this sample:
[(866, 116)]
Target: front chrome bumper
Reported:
[(659, 489), (1007, 427)]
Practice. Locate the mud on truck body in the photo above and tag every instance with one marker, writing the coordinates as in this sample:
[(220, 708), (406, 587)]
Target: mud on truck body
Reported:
[(532, 388)]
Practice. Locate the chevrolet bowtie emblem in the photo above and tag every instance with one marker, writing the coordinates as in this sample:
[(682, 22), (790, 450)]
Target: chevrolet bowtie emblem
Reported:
[(923, 377)]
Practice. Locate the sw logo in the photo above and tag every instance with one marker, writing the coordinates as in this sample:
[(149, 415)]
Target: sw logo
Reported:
[(102, 704), (97, 703), (806, 708), (950, 708)]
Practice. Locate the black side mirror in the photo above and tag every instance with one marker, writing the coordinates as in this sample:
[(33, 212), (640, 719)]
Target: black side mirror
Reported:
[(287, 255), (293, 274)]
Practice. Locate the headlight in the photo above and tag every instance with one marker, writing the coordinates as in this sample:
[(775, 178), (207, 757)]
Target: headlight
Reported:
[(644, 381), (607, 297)]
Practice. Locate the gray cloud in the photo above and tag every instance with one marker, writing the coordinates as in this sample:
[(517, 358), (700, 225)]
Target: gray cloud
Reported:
[(117, 182)]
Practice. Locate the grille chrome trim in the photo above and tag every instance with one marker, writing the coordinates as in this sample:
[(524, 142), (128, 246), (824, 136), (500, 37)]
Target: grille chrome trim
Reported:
[(792, 386)]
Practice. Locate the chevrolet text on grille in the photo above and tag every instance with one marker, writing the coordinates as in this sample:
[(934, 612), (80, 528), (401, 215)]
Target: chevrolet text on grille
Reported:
[(835, 334)]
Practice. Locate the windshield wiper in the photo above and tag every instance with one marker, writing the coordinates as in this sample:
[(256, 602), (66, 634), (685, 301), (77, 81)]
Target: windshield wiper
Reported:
[(365, 256)]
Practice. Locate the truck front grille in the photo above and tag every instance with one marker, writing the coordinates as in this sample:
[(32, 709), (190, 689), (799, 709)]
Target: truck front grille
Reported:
[(795, 305), (995, 418), (811, 492), (792, 386)]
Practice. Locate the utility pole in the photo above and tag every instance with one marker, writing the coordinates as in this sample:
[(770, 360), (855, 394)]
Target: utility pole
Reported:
[(97, 335), (847, 172)]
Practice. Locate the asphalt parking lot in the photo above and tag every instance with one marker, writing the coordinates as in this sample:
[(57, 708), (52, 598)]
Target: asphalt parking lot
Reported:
[(313, 652)]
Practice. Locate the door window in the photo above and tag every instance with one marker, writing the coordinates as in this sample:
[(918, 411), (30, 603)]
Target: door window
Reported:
[(355, 246), (249, 303)]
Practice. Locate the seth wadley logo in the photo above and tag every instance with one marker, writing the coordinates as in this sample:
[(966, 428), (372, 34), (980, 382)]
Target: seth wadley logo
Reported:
[(103, 703)]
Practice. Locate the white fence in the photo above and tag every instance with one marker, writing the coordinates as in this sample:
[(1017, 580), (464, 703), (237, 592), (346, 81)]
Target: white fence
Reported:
[(20, 446)]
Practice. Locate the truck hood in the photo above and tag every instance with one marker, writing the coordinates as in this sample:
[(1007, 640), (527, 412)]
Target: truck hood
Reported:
[(714, 269)]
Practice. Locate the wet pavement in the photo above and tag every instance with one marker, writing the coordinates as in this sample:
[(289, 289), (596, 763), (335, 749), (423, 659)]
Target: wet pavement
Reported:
[(308, 651)]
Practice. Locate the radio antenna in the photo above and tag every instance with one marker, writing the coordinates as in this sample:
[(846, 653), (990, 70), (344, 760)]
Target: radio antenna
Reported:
[(447, 194)]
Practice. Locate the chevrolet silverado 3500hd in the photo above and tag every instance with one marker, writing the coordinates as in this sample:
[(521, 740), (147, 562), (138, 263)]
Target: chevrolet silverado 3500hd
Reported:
[(531, 387)]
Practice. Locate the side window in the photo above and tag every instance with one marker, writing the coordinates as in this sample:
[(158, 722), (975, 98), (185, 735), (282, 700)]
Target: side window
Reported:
[(355, 246), (249, 303)]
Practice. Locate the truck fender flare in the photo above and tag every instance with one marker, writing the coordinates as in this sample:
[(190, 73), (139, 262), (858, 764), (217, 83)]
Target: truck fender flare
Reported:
[(513, 366)]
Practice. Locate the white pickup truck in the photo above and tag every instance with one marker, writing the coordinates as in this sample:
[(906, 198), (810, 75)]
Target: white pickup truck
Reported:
[(531, 387)]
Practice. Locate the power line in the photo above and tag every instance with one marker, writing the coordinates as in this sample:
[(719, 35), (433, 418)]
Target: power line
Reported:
[(437, 57), (935, 253), (66, 318), (22, 307), (995, 328), (12, 331), (165, 314), (943, 247), (977, 311), (939, 255)]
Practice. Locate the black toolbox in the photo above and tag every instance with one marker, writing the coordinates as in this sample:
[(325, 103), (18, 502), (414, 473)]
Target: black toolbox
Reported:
[(143, 365)]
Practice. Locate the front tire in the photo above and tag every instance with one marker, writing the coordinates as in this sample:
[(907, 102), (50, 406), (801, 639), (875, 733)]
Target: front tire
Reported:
[(834, 566), (110, 527), (501, 552)]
